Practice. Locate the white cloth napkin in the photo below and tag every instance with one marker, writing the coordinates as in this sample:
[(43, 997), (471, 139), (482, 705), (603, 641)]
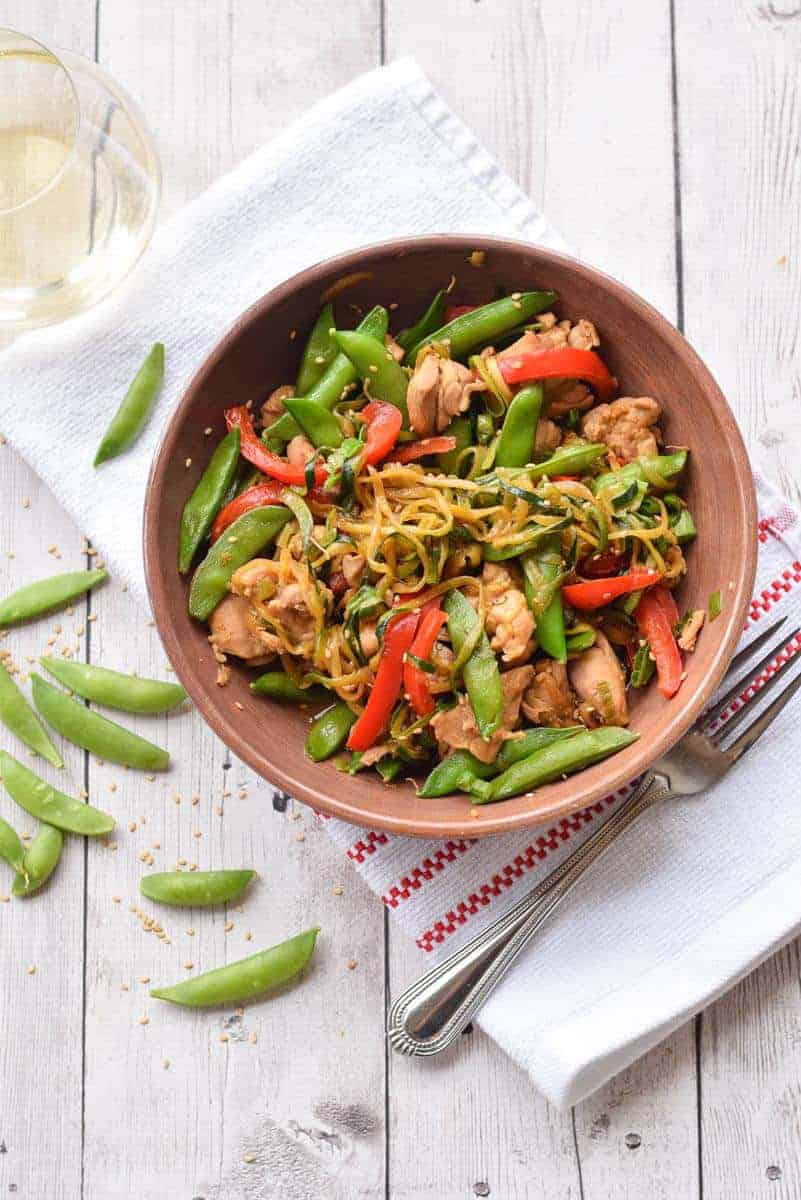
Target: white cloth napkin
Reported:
[(703, 889)]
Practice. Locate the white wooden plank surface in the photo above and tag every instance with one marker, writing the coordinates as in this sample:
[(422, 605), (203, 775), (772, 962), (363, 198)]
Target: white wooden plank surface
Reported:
[(577, 104)]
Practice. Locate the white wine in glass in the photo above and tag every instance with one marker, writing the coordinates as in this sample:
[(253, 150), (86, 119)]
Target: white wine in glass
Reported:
[(79, 183)]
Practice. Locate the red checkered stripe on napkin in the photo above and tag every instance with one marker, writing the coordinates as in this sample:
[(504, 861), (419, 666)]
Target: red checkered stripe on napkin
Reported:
[(427, 869)]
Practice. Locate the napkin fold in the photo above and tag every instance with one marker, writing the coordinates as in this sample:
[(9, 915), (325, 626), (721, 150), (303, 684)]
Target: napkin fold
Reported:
[(702, 889)]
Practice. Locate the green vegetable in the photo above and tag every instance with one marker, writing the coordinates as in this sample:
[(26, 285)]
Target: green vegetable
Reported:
[(684, 527), (542, 575), (576, 643), (129, 693), (17, 715), (195, 889), (560, 758), (131, 417), (329, 732), (455, 774), (279, 686), (207, 499), (98, 735), (319, 425), (715, 605), (481, 676), (11, 848), (532, 740), (50, 806), (658, 470), (389, 768), (244, 980), (519, 431), (340, 375), (242, 541), (430, 320), (485, 428), (569, 460), (476, 329), (460, 428), (319, 353), (537, 534), (47, 594), (40, 861), (643, 666), (384, 378)]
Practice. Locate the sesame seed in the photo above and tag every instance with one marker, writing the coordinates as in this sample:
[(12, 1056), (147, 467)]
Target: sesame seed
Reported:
[(248, 936), (189, 966), (144, 1020), (242, 794), (132, 827), (92, 617), (196, 833), (181, 862), (293, 333), (352, 964), (124, 987), (112, 787), (195, 800), (223, 1037), (300, 837), (31, 970), (249, 1158), (239, 705), (337, 889), (116, 899), (165, 1062), (4, 899), (228, 927), (207, 432), (188, 463), (144, 979), (190, 933), (26, 502), (373, 368)]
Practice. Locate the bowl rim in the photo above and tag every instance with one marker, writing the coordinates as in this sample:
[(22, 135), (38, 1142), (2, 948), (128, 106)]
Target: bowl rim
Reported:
[(495, 821)]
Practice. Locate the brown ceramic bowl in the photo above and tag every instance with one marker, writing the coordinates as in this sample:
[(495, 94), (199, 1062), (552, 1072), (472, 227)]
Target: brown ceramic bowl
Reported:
[(648, 356)]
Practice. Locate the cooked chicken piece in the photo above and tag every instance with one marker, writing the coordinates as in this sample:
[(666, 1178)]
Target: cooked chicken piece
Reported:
[(282, 604), (273, 406), (627, 426), (509, 620), (375, 753), (583, 335), (367, 637), (598, 679), (549, 700), (562, 395), (395, 350), (456, 728), (689, 634), (299, 450), (675, 565), (235, 630), (548, 437), (296, 541), (352, 566), (438, 390)]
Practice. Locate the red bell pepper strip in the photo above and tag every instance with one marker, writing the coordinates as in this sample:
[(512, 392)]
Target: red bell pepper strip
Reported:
[(388, 681), (415, 682), (256, 497), (656, 616), (601, 565), (432, 445), (559, 362), (456, 310), (383, 426), (594, 593), (254, 450)]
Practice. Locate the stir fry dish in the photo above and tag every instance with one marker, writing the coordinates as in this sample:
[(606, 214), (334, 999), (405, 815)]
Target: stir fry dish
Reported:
[(458, 542)]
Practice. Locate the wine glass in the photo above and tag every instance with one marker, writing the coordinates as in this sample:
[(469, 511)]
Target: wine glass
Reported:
[(79, 183)]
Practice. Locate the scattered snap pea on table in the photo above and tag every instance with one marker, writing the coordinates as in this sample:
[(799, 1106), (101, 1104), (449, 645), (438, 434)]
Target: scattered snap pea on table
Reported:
[(11, 848), (246, 979), (92, 732), (131, 417), (47, 594), (129, 693), (49, 805), (196, 889), (19, 717), (40, 860)]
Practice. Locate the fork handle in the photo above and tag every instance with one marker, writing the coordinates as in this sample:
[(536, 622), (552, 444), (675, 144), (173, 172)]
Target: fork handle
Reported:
[(435, 1010)]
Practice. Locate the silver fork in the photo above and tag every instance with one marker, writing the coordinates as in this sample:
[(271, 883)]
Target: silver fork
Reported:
[(432, 1013)]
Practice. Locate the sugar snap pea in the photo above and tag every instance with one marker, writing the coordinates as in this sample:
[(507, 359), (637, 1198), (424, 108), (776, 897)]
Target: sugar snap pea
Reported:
[(339, 376), (430, 320), (383, 376), (130, 418), (532, 740), (569, 460), (98, 735), (329, 731), (561, 758), (319, 425), (241, 542), (519, 431), (244, 980), (455, 774), (320, 351), (206, 500), (461, 429), (658, 470), (475, 329), (195, 889), (482, 678), (542, 569), (49, 805), (129, 693), (279, 686), (47, 594), (17, 715), (11, 848), (40, 861)]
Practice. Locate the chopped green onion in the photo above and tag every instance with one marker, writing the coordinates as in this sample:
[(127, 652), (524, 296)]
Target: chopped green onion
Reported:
[(715, 605), (643, 666)]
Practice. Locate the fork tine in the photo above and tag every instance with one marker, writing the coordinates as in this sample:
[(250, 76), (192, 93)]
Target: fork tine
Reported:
[(712, 715), (755, 731), (759, 694), (742, 656)]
